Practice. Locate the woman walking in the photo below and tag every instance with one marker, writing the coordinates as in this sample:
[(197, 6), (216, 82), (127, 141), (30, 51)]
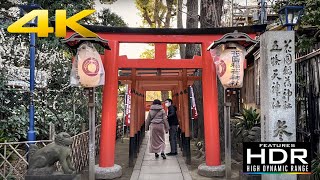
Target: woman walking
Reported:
[(157, 120)]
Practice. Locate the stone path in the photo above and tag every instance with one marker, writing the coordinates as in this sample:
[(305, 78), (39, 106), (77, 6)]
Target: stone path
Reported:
[(147, 167)]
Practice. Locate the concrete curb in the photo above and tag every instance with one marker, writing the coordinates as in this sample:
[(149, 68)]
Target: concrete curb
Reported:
[(137, 167), (184, 169)]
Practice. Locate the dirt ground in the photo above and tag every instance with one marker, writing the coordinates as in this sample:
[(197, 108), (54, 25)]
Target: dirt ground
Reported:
[(121, 158)]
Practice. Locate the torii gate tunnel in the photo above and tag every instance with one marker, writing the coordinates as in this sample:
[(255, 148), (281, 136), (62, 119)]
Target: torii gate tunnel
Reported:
[(160, 74)]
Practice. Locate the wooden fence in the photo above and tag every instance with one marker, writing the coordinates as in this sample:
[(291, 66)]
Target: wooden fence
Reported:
[(13, 155)]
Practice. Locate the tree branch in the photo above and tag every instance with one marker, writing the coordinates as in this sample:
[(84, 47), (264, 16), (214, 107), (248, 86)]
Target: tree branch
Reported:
[(146, 16), (169, 12)]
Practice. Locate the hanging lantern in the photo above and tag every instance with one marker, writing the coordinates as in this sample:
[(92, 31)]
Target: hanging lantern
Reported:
[(229, 61), (87, 69), (228, 54)]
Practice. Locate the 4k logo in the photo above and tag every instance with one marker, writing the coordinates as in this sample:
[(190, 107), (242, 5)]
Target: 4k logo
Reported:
[(62, 22)]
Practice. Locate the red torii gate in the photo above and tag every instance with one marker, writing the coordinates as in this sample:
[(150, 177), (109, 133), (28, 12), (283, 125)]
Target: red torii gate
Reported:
[(176, 81)]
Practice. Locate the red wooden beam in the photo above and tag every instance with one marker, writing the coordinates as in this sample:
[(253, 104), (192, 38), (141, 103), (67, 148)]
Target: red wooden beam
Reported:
[(124, 62), (160, 78), (158, 88)]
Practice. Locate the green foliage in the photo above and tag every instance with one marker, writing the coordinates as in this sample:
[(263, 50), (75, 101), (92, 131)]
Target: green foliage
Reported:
[(172, 50), (148, 53), (3, 138), (66, 107), (311, 16), (15, 128), (311, 13), (107, 1), (249, 119), (155, 13), (304, 42), (152, 95), (111, 19), (315, 167), (121, 100)]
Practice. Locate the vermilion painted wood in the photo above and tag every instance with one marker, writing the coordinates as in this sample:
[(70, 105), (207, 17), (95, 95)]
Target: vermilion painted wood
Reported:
[(109, 108), (185, 103), (160, 51), (210, 110), (167, 88), (139, 108), (112, 62), (160, 48), (160, 78), (124, 62), (180, 100), (133, 104)]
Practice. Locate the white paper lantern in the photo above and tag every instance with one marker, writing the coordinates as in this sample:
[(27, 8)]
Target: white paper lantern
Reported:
[(87, 69), (229, 61)]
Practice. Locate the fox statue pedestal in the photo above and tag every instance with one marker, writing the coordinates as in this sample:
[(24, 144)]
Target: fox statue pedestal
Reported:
[(53, 177)]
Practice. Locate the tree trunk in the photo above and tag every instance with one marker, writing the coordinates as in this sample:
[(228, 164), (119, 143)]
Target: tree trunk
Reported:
[(169, 11), (210, 16), (157, 21), (190, 51), (180, 25), (210, 13), (192, 22)]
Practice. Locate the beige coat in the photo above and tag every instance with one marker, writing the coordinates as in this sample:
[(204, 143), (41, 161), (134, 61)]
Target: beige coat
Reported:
[(157, 116)]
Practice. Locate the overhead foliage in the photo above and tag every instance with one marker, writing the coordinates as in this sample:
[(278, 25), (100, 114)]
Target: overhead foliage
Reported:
[(152, 95), (157, 13), (172, 50), (64, 106), (107, 1), (310, 18), (108, 18), (311, 14)]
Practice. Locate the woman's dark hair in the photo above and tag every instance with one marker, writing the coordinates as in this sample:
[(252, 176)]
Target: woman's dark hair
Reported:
[(156, 101)]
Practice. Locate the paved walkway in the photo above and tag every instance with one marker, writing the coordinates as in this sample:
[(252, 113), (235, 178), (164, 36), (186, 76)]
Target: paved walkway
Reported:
[(147, 167)]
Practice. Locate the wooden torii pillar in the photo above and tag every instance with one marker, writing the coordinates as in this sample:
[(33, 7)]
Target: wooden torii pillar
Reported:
[(110, 94), (186, 117), (133, 119)]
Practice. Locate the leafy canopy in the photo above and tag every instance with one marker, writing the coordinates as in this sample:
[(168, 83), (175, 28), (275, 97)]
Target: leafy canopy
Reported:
[(310, 18), (64, 106)]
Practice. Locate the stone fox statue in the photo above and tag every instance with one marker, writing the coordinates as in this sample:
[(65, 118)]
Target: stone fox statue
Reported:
[(42, 161)]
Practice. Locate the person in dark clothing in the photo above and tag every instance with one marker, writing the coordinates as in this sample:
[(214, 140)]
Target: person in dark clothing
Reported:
[(173, 123)]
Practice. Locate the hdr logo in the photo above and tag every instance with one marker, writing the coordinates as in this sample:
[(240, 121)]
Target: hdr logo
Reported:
[(275, 158), (62, 22)]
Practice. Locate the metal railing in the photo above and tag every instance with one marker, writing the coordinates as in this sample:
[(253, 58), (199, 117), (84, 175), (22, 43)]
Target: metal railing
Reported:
[(13, 155)]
